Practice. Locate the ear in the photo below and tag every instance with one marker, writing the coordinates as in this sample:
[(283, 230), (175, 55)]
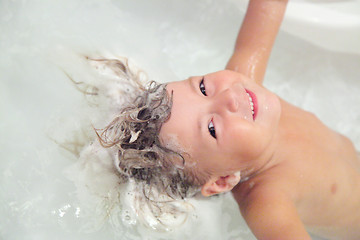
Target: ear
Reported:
[(220, 184)]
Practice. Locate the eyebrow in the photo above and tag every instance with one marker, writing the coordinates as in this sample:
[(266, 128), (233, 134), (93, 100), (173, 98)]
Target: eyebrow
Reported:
[(194, 89), (191, 84)]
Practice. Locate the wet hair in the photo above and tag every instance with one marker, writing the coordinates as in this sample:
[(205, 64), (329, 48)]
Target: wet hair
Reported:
[(134, 133)]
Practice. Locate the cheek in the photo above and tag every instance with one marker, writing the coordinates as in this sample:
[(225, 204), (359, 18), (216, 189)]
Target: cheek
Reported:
[(248, 142), (207, 161), (271, 109)]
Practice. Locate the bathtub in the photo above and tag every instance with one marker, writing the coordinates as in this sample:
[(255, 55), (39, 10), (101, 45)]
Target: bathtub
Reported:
[(315, 64)]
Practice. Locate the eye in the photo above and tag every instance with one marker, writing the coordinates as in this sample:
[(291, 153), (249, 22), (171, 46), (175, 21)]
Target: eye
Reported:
[(202, 87), (212, 129)]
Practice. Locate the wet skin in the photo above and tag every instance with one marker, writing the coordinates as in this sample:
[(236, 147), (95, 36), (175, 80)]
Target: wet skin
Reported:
[(302, 172), (213, 121)]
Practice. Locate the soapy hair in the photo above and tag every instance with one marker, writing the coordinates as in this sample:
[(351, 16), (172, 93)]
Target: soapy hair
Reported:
[(134, 133), (132, 175)]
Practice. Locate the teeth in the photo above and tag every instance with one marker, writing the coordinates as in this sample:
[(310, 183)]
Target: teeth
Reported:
[(251, 104)]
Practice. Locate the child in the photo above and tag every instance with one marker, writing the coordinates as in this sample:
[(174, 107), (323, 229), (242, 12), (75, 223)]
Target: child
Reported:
[(287, 171)]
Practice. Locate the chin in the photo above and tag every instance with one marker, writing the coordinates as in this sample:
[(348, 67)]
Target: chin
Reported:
[(269, 109)]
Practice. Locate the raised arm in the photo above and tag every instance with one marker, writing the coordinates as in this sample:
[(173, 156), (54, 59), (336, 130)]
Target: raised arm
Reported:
[(256, 38)]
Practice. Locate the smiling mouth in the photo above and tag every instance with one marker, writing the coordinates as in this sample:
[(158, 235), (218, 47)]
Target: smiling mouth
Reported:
[(253, 103)]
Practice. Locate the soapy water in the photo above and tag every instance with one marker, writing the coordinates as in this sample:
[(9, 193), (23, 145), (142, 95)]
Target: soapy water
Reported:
[(132, 205), (46, 191)]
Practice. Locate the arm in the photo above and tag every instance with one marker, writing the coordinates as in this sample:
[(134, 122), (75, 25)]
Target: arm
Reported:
[(256, 38)]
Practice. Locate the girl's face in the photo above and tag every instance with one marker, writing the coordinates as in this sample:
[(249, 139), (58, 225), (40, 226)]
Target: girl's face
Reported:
[(223, 120)]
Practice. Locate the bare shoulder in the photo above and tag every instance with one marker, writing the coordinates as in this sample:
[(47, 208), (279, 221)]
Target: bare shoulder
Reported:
[(259, 189), (269, 210)]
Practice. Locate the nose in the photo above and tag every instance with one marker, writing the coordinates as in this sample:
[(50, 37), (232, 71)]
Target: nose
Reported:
[(227, 100)]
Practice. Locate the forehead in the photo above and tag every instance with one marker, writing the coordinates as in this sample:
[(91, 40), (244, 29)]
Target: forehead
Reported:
[(180, 131)]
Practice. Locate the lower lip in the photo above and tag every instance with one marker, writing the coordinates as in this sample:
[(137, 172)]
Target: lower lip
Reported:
[(254, 100)]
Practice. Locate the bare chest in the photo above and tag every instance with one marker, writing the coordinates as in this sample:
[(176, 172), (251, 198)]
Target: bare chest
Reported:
[(323, 172)]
